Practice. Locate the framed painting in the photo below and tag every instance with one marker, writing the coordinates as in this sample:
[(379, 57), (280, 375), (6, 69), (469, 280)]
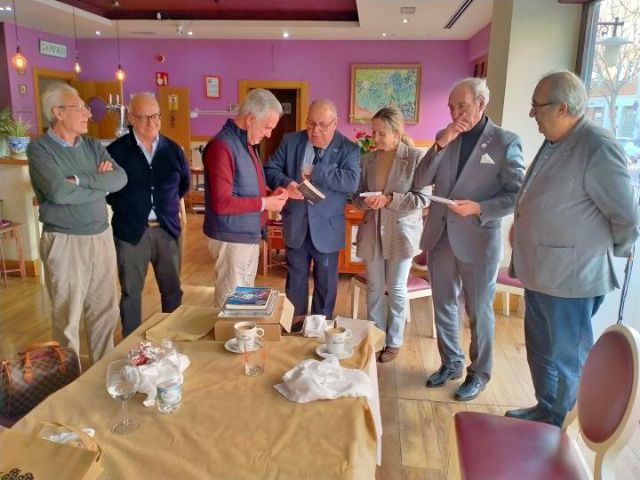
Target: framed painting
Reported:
[(212, 86), (376, 86)]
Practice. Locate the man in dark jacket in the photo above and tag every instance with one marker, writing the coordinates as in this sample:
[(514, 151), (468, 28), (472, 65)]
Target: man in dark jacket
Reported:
[(236, 200), (146, 213)]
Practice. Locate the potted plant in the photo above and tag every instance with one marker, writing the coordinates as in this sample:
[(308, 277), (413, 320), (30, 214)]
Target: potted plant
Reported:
[(5, 122), (18, 137)]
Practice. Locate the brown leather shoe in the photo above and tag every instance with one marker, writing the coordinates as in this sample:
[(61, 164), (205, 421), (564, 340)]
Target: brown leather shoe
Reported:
[(389, 354)]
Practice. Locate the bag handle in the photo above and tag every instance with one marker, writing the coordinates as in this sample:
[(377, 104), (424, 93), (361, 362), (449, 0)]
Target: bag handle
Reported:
[(28, 366), (87, 440)]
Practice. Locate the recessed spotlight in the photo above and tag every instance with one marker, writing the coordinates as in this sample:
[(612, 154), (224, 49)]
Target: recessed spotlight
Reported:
[(98, 33), (384, 34), (190, 33), (285, 34), (405, 20)]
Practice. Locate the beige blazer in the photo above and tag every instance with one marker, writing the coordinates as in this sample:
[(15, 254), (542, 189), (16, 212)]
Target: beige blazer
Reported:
[(399, 224)]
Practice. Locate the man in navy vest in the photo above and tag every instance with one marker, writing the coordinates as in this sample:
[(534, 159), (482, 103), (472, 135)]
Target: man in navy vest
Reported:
[(315, 232), (236, 200), (146, 220)]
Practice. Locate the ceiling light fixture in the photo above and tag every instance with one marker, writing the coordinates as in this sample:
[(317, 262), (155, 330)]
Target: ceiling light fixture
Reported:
[(98, 33), (120, 73), (190, 33), (405, 20), (384, 34), (76, 65), (285, 34), (19, 62)]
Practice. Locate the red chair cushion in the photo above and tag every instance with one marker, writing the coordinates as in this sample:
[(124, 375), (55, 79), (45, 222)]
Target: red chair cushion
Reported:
[(502, 448), (413, 283), (505, 279)]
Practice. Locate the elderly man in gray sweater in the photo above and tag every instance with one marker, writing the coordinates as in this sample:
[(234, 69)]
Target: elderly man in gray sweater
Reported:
[(71, 175)]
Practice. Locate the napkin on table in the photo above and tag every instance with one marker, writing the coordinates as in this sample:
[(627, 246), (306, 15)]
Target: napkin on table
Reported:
[(312, 380), (149, 378)]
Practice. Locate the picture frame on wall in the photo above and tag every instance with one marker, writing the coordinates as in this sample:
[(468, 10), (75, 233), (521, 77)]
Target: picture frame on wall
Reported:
[(374, 86), (212, 86)]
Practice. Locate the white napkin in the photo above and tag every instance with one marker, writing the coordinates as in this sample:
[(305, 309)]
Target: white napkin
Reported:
[(67, 437), (312, 380), (149, 378), (486, 159), (315, 325)]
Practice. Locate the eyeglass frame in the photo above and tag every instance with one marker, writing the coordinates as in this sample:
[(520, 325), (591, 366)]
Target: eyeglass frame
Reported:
[(537, 106), (322, 127), (154, 117), (78, 108)]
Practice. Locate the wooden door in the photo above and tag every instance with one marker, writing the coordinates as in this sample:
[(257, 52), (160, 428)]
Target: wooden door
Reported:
[(104, 121), (288, 123), (176, 116)]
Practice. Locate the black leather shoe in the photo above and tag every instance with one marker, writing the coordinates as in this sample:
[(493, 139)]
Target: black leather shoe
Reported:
[(442, 376), (470, 388), (536, 413)]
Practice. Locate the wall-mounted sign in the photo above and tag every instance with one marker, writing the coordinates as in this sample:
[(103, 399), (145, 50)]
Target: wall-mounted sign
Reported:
[(53, 49), (162, 79)]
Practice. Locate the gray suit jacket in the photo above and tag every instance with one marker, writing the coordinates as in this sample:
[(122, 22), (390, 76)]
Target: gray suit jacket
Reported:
[(401, 220), (576, 210), (492, 177)]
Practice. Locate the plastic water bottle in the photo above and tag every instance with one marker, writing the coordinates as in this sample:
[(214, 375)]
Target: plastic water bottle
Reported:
[(169, 386)]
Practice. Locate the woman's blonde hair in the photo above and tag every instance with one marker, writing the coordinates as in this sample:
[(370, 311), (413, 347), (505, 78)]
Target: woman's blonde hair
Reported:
[(394, 119)]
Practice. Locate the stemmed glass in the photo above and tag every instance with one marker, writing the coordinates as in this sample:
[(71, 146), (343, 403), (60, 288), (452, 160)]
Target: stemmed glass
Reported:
[(123, 380)]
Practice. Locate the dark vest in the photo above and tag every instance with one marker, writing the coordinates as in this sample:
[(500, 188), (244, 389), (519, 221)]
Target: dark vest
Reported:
[(238, 227)]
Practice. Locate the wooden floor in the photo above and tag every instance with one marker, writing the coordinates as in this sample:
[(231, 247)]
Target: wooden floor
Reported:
[(416, 420)]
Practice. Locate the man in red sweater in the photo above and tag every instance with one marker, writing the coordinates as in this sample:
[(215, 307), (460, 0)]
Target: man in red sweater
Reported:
[(236, 199)]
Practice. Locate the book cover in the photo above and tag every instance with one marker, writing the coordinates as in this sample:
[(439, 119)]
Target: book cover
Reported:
[(252, 312), (311, 192), (249, 298)]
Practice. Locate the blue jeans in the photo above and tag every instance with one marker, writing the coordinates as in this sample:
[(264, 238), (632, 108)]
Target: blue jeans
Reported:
[(558, 336), (389, 312)]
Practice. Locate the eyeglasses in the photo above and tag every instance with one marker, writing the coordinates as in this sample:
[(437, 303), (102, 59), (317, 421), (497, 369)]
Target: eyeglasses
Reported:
[(537, 106), (149, 118), (77, 108), (323, 127)]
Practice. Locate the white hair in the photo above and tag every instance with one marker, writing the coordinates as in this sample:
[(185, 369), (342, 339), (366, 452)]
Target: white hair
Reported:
[(567, 87), (53, 97), (149, 95), (478, 87), (260, 102)]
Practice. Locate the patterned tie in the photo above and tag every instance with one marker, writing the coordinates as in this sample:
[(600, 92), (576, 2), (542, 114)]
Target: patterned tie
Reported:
[(318, 155)]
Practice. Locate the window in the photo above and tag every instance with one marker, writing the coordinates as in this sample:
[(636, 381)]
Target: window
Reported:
[(628, 122)]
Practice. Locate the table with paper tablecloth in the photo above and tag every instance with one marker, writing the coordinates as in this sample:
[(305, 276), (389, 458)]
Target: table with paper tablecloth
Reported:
[(229, 426)]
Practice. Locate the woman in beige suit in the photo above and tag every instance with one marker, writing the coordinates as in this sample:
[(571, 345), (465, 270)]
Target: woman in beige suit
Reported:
[(389, 235)]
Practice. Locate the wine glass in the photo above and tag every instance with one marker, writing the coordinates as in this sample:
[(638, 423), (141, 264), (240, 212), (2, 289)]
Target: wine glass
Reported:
[(123, 380)]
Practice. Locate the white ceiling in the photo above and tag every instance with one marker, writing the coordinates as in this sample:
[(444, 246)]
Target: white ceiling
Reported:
[(375, 18)]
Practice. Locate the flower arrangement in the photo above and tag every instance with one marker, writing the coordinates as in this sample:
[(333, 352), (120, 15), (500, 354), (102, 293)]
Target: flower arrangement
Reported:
[(365, 141)]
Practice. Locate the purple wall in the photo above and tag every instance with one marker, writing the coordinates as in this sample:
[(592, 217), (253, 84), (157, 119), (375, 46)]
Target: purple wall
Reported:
[(478, 45), (24, 105), (324, 64)]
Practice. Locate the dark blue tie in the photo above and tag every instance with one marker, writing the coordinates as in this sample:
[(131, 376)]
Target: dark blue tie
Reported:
[(318, 155)]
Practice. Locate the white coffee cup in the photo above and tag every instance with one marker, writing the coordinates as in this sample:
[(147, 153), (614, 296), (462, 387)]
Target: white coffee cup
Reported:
[(246, 330), (336, 337)]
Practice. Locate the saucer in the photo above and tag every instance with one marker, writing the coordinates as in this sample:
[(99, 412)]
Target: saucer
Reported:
[(231, 345), (321, 350)]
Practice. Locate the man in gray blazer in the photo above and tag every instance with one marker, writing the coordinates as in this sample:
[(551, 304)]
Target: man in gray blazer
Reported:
[(480, 166), (575, 211)]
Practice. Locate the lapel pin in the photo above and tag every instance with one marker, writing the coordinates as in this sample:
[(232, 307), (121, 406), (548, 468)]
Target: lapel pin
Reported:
[(484, 145)]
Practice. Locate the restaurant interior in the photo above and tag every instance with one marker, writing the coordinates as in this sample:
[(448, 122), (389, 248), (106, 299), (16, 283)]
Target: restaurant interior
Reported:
[(201, 58)]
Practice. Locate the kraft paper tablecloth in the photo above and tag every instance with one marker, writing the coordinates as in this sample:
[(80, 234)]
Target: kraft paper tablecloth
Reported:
[(229, 426)]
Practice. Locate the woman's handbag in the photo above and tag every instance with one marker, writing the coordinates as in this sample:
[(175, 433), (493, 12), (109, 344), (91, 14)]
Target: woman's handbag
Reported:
[(32, 375)]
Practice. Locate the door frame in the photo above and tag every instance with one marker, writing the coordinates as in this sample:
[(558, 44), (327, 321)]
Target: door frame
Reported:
[(301, 88), (38, 72)]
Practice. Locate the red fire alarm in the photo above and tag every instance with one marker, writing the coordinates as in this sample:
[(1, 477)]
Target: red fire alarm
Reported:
[(162, 79)]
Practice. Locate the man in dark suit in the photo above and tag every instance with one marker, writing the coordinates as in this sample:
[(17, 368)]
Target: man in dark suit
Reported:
[(480, 166), (146, 213), (575, 212), (331, 162)]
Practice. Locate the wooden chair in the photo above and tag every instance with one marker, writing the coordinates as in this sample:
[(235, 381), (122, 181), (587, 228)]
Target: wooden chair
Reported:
[(505, 285), (485, 446), (417, 287), (274, 241)]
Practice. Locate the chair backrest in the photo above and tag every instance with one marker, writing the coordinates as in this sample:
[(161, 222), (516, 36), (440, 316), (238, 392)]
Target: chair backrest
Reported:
[(608, 404)]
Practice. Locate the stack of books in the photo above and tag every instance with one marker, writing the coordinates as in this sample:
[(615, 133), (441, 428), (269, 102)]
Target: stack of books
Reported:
[(250, 302)]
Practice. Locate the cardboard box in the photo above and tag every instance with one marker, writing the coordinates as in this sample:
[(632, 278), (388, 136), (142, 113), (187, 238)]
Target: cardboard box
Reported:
[(281, 317)]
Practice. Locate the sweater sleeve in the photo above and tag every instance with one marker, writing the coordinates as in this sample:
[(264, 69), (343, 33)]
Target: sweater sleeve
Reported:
[(219, 169), (106, 181)]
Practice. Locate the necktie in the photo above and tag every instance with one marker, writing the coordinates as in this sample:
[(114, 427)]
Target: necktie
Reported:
[(317, 154)]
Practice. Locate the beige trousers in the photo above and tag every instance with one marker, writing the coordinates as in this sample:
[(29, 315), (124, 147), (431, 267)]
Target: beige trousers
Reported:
[(235, 265), (80, 274)]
